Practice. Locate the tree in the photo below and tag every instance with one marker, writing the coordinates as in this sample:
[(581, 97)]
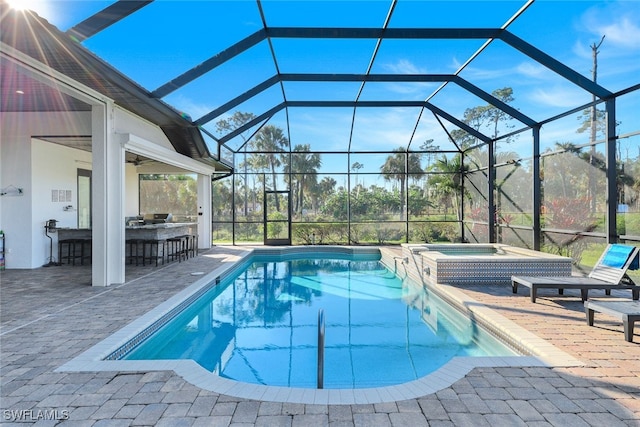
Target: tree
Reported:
[(303, 172), (448, 183), (563, 167), (486, 119), (395, 169), (221, 196), (325, 189), (595, 122), (569, 214), (431, 150), (174, 193), (356, 166), (336, 205), (495, 116), (418, 202), (507, 177), (229, 124), (270, 142)]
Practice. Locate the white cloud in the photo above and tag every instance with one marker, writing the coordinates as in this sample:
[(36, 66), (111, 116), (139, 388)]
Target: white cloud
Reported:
[(323, 130), (618, 21), (531, 70), (582, 50), (404, 66), (475, 74), (387, 129), (554, 96), (561, 131), (624, 33), (189, 106)]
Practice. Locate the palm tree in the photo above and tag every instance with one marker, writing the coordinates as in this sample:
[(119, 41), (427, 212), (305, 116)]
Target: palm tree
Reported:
[(228, 125), (449, 182), (395, 168), (356, 166), (325, 189), (270, 142), (303, 169)]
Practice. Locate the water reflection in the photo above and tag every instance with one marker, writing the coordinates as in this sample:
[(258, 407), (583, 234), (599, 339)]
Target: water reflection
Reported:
[(262, 327)]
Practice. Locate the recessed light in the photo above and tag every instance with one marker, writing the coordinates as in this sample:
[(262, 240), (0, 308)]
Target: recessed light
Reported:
[(20, 92)]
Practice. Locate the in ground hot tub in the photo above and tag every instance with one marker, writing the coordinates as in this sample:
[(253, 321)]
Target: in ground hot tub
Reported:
[(469, 263)]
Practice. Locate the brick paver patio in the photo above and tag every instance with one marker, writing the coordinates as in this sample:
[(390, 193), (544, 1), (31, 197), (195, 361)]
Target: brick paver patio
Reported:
[(50, 315)]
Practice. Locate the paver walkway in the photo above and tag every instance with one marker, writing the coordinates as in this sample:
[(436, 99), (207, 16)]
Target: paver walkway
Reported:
[(50, 315)]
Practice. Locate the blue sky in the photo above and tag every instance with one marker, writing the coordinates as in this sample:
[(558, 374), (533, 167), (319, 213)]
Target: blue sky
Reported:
[(166, 38)]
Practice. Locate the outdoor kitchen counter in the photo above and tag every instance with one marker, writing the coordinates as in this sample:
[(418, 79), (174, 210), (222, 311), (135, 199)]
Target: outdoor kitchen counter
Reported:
[(160, 231), (149, 231)]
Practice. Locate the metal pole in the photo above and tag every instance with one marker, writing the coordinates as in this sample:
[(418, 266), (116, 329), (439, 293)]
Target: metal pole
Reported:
[(612, 187), (491, 187), (594, 129), (320, 348), (537, 190)]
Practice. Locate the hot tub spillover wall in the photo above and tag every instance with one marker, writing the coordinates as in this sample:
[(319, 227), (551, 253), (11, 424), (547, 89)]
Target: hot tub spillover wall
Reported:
[(483, 263)]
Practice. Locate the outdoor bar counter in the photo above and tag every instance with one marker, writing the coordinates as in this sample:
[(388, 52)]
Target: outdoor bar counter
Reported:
[(160, 231), (145, 243)]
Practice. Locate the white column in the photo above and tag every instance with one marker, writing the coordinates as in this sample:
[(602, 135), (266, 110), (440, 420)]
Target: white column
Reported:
[(204, 211), (107, 200)]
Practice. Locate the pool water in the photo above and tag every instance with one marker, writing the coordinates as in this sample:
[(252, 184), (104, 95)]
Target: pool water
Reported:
[(487, 252), (463, 250), (261, 326)]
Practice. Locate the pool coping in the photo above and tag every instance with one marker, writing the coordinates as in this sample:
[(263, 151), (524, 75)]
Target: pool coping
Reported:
[(542, 353)]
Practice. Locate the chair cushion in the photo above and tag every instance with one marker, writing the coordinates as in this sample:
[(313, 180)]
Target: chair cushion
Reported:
[(617, 256)]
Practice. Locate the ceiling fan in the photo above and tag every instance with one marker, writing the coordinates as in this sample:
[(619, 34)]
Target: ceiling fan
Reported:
[(138, 161)]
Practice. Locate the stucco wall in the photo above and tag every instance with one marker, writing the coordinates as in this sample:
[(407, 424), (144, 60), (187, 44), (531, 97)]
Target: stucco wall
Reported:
[(22, 217), (39, 167), (125, 122), (55, 187)]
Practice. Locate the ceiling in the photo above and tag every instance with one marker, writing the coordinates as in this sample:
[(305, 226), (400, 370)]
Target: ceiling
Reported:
[(22, 93)]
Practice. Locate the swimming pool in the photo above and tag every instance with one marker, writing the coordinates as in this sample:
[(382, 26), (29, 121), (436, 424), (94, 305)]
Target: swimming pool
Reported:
[(105, 355), (260, 326)]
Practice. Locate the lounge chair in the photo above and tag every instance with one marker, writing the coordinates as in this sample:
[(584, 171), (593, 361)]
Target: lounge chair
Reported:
[(626, 311), (610, 272)]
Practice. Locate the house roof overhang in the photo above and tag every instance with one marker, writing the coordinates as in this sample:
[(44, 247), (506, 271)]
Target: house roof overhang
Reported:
[(32, 35)]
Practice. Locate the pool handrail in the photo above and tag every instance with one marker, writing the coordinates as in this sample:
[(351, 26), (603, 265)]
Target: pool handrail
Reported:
[(320, 382)]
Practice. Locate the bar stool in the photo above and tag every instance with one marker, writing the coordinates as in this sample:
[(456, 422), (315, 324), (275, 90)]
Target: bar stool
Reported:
[(193, 248), (150, 244), (70, 255), (69, 245), (190, 245), (176, 248), (133, 251), (85, 250)]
